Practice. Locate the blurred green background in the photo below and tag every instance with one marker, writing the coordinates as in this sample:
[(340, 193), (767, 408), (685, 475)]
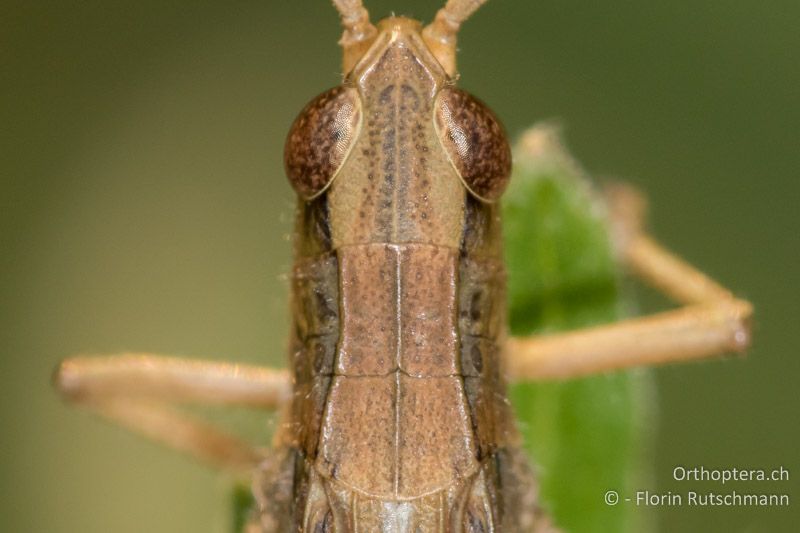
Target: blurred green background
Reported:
[(143, 207)]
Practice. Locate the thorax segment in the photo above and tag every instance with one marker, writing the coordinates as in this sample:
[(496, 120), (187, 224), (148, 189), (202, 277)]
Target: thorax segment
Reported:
[(398, 310)]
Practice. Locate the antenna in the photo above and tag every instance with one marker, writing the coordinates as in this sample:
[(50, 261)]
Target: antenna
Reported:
[(359, 32), (440, 35)]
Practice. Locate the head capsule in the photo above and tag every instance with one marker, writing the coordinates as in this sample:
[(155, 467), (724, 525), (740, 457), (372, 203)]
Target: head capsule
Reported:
[(325, 132)]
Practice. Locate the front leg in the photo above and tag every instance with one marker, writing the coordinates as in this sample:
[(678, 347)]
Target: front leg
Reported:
[(139, 391)]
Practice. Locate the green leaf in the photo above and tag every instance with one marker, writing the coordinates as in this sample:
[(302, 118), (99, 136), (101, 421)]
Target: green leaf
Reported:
[(586, 436), (242, 505)]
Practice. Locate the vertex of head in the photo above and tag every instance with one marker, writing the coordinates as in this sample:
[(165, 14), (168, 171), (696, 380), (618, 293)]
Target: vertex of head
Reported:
[(439, 36), (399, 32)]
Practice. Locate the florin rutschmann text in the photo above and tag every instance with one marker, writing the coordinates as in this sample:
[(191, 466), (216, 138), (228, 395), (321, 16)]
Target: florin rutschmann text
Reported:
[(696, 497)]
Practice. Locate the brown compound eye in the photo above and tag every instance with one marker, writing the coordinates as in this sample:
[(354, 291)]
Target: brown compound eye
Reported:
[(475, 142), (320, 139)]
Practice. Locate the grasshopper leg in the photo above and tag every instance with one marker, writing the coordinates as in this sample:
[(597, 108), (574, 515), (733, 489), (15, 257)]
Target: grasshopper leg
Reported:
[(140, 392), (711, 321)]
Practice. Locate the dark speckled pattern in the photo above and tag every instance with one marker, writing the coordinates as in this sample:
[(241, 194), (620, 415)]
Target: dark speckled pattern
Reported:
[(475, 142), (320, 139), (397, 185)]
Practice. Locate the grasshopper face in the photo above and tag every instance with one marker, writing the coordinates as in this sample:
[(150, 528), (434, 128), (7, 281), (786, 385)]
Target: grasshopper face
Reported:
[(397, 146)]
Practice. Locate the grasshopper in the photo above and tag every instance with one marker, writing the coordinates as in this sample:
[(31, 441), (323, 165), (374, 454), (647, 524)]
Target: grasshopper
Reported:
[(394, 402)]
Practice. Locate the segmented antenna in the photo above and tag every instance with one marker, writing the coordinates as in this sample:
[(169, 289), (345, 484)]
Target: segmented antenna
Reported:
[(440, 35), (358, 30)]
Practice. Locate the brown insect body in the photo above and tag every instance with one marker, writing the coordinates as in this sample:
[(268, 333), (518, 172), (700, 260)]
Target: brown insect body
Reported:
[(399, 419)]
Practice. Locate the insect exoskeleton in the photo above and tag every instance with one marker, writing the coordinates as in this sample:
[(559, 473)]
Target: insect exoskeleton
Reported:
[(398, 420)]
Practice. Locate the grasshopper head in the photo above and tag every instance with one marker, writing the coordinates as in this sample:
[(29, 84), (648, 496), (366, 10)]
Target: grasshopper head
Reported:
[(354, 134)]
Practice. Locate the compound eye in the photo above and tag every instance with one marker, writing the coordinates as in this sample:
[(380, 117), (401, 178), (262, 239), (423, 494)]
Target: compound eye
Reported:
[(475, 143), (320, 140)]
